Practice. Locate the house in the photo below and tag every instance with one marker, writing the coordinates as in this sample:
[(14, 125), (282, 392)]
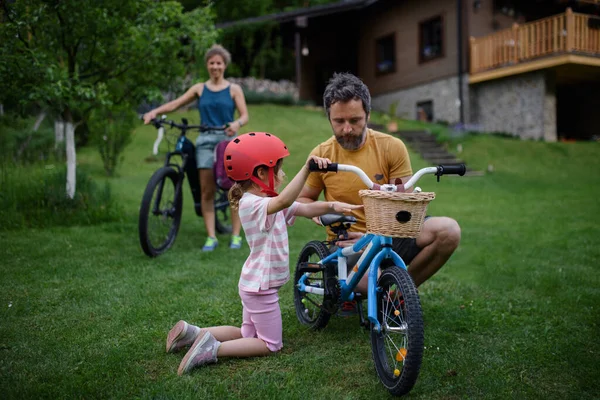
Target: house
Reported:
[(529, 67)]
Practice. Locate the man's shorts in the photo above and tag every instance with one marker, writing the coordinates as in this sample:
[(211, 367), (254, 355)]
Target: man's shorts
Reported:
[(205, 147)]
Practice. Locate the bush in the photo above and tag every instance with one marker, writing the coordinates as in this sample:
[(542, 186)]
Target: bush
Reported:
[(111, 133), (21, 144), (36, 197)]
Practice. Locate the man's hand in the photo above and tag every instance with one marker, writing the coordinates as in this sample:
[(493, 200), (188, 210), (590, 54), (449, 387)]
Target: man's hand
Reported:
[(352, 238)]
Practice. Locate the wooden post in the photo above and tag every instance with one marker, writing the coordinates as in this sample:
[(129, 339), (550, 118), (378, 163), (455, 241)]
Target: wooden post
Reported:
[(517, 44), (570, 30), (472, 54)]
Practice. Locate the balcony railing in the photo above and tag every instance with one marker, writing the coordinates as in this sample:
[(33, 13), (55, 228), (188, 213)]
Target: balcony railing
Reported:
[(560, 34)]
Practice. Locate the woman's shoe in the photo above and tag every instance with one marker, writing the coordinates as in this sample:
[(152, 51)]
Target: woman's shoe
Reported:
[(210, 244), (236, 242)]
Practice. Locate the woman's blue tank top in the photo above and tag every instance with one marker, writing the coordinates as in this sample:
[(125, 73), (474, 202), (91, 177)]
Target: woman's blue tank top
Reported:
[(216, 108)]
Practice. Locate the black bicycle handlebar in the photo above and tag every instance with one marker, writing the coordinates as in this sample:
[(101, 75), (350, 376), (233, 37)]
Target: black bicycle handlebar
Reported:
[(184, 125), (458, 169), (314, 167)]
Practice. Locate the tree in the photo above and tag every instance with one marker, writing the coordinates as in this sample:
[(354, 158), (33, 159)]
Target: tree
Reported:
[(72, 56)]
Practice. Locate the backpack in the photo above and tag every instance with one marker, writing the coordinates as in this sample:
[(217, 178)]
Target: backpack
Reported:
[(221, 177)]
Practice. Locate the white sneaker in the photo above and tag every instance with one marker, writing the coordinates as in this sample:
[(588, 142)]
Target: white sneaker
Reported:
[(181, 335), (203, 351)]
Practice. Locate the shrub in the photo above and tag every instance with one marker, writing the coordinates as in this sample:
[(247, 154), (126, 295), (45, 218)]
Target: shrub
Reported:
[(36, 197), (21, 144), (111, 133)]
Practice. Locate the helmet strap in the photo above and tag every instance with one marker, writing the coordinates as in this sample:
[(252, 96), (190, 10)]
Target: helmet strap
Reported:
[(269, 190)]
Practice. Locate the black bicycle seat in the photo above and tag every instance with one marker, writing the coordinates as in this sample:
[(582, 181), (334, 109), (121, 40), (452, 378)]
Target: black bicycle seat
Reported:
[(329, 219)]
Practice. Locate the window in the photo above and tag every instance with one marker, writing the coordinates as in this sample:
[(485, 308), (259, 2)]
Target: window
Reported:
[(425, 111), (431, 39), (386, 55)]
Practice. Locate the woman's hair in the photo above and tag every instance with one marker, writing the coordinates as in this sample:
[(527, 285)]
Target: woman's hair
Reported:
[(217, 49), (240, 187), (345, 87)]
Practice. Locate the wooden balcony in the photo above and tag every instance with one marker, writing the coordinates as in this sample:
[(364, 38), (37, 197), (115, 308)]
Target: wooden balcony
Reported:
[(561, 39)]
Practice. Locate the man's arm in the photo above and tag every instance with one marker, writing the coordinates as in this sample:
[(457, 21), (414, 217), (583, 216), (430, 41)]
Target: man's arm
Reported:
[(308, 194)]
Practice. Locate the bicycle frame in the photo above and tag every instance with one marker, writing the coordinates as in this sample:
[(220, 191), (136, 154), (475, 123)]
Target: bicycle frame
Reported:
[(378, 248), (186, 150)]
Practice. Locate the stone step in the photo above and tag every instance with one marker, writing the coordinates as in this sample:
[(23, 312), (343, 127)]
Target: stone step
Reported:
[(441, 156), (443, 161)]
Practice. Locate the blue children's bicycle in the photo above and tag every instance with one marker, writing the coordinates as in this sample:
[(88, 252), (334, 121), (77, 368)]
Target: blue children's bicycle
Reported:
[(322, 280)]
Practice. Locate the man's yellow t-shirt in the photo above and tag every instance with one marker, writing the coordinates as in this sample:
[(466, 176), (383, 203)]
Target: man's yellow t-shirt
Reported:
[(382, 157)]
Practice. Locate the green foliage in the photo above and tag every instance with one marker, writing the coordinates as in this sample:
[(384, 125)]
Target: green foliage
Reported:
[(257, 50), (21, 144), (74, 56), (34, 196), (111, 133)]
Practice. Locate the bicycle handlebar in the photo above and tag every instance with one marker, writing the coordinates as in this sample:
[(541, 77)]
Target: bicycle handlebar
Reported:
[(184, 126), (440, 170)]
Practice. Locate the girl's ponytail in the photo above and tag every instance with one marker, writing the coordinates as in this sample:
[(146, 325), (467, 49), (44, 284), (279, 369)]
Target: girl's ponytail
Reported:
[(236, 192)]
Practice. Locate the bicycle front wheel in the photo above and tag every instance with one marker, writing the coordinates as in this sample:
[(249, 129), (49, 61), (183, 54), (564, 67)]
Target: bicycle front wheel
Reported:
[(314, 310), (398, 347), (160, 212)]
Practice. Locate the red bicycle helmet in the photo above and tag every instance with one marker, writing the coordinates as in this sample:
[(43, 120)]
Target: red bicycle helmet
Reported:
[(250, 150)]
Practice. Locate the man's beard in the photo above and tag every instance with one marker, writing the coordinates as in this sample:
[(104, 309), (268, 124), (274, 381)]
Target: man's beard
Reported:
[(351, 142)]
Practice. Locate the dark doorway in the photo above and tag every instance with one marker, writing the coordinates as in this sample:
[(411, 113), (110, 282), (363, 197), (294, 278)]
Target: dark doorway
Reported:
[(577, 111)]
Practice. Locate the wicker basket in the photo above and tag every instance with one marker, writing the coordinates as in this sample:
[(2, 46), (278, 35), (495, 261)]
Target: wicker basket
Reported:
[(395, 214)]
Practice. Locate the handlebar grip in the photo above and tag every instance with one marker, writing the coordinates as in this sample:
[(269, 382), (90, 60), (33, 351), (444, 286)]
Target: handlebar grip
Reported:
[(314, 167), (459, 169)]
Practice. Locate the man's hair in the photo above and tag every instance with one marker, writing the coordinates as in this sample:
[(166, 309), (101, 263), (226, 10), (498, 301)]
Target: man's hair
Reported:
[(217, 49), (345, 87)]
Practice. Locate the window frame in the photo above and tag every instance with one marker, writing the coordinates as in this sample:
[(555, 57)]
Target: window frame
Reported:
[(420, 48), (378, 40)]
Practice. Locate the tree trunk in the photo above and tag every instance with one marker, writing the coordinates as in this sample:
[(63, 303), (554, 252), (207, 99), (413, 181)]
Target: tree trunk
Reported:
[(70, 150), (39, 121), (1, 110), (59, 133)]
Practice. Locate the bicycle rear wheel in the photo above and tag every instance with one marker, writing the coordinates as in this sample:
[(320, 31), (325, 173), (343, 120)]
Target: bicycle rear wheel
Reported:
[(312, 309), (160, 212), (398, 348), (222, 212)]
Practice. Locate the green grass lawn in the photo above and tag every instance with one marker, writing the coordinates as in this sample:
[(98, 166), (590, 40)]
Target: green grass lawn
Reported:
[(514, 314)]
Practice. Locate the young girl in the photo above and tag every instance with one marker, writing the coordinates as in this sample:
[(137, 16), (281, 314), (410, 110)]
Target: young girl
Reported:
[(254, 161)]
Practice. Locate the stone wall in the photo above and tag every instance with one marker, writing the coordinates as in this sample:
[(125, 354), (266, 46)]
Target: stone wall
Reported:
[(523, 105), (443, 94)]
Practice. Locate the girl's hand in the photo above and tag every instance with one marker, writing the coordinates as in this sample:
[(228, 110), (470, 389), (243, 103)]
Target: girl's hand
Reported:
[(340, 207), (321, 162)]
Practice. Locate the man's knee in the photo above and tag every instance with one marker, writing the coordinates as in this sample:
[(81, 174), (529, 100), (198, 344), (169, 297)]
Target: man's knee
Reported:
[(449, 233)]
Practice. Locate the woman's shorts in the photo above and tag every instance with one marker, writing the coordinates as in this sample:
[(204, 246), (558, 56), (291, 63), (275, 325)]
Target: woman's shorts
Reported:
[(205, 147)]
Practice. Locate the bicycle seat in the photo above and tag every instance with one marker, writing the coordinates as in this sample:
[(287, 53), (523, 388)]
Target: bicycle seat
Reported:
[(329, 219)]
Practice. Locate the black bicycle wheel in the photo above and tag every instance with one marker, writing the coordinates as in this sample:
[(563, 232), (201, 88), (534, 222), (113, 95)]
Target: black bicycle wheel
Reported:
[(222, 212), (160, 212), (398, 348), (314, 310)]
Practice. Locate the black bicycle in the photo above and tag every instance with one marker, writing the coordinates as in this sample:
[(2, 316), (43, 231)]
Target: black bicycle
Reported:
[(162, 203)]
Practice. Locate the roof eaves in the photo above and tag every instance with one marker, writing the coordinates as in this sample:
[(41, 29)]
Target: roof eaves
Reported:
[(314, 11)]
